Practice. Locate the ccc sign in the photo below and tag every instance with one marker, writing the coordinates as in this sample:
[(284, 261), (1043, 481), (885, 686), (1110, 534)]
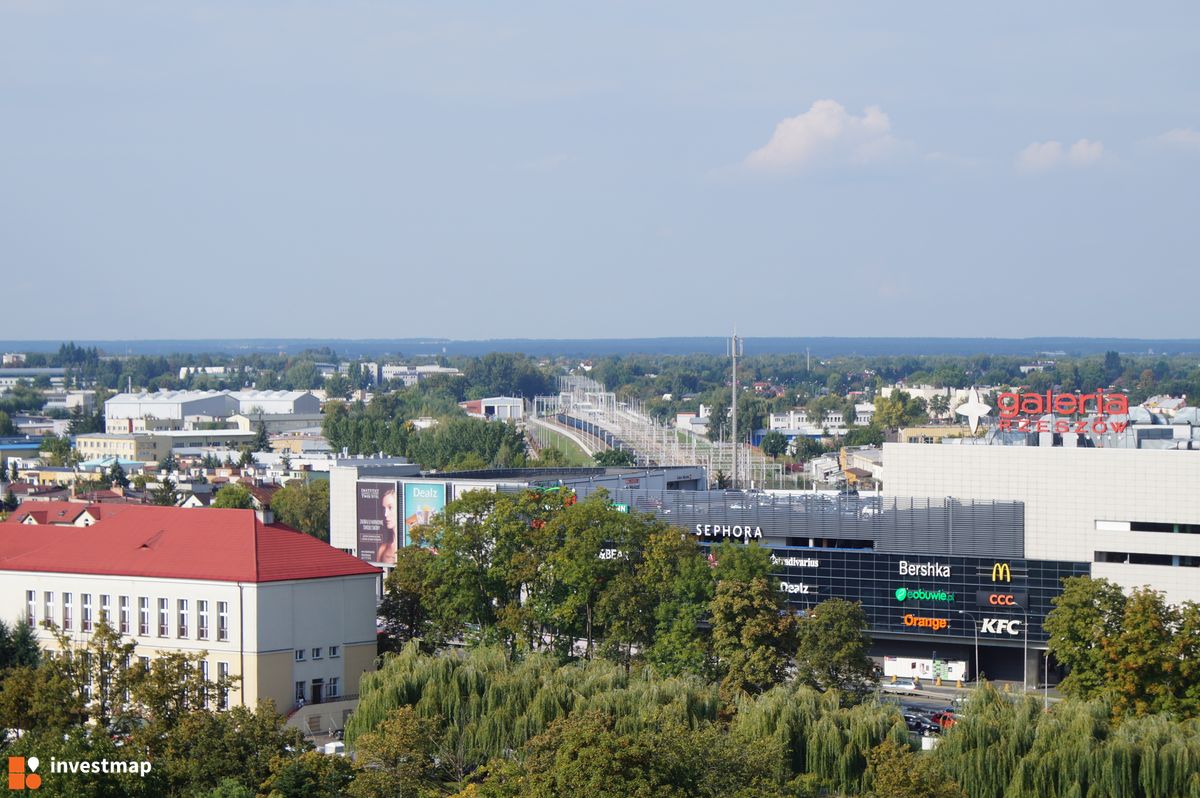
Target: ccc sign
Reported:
[(1001, 572), (1016, 599)]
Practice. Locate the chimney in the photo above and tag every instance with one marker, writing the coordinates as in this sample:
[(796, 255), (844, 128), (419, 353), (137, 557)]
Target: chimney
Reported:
[(265, 515)]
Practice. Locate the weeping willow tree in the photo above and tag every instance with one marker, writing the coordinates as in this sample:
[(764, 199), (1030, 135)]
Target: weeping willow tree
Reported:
[(816, 734), (488, 705), (1012, 749)]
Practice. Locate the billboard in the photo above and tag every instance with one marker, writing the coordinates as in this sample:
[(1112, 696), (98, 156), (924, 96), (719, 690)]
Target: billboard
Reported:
[(378, 507), (422, 500)]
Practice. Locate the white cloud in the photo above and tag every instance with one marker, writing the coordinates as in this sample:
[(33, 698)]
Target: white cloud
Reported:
[(1084, 152), (1181, 138), (1042, 156), (825, 134)]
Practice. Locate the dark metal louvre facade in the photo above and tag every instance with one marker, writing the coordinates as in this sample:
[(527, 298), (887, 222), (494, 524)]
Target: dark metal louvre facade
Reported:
[(887, 524)]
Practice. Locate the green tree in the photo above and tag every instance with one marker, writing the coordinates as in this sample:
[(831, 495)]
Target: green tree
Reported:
[(96, 671), (304, 507), (10, 503), (165, 494), (774, 444), (1086, 614), (310, 775), (57, 450), (168, 465), (1148, 668), (117, 476), (233, 496), (205, 748), (939, 405), (14, 473), (6, 425), (397, 758), (405, 607), (18, 646), (833, 650), (896, 771), (753, 633), (588, 754), (611, 458), (246, 459), (262, 441)]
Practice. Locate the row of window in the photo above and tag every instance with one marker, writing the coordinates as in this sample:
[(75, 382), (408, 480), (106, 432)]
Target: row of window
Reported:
[(1138, 558), (222, 697), (318, 653), (89, 614)]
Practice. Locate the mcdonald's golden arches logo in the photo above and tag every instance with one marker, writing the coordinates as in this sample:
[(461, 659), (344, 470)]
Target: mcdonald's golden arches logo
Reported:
[(1001, 572)]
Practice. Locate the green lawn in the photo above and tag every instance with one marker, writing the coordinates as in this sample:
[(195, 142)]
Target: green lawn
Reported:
[(574, 454)]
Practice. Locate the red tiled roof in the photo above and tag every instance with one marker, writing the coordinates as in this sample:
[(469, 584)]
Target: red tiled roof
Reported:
[(60, 512), (177, 543)]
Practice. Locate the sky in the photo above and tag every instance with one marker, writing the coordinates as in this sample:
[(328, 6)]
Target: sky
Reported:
[(621, 169)]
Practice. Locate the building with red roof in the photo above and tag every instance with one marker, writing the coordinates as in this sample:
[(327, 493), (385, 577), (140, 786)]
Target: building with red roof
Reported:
[(289, 614)]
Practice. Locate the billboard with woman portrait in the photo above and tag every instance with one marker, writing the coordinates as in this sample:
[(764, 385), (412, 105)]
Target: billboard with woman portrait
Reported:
[(378, 508)]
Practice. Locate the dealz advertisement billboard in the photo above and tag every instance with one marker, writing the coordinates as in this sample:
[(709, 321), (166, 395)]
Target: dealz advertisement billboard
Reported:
[(422, 501)]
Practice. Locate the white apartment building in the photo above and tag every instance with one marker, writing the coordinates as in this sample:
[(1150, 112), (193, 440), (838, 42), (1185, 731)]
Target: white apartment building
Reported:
[(288, 614)]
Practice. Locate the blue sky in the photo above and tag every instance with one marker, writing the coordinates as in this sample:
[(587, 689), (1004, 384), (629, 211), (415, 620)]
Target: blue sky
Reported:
[(478, 170)]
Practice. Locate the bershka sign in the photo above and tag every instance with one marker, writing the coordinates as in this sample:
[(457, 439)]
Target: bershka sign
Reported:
[(1098, 406), (739, 531), (1000, 626), (933, 569)]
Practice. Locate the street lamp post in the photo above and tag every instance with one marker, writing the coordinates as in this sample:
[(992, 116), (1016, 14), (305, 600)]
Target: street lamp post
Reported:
[(975, 629), (1025, 653), (1046, 686)]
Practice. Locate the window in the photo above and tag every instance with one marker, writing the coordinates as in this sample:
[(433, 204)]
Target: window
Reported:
[(143, 616), (316, 653), (202, 619), (222, 620), (85, 602), (334, 651), (47, 608), (299, 692), (332, 688), (299, 655), (223, 677), (68, 620), (204, 686), (30, 607), (123, 603), (105, 608), (164, 623), (145, 663), (182, 606)]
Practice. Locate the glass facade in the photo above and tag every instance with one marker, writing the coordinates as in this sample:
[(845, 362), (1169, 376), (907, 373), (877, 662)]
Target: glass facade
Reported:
[(922, 595)]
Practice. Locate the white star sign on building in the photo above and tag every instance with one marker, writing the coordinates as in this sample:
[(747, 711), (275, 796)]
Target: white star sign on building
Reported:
[(974, 409)]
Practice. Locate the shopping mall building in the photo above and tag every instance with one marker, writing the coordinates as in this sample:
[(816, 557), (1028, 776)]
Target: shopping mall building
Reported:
[(964, 550)]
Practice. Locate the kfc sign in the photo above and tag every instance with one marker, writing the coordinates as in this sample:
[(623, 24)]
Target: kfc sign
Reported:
[(1097, 406), (1000, 626)]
